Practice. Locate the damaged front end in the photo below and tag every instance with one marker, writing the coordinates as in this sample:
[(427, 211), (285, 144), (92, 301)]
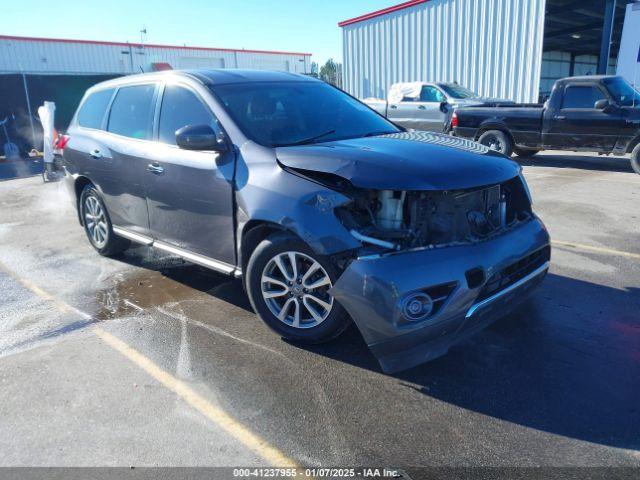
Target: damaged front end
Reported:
[(446, 246), (438, 266), (406, 220)]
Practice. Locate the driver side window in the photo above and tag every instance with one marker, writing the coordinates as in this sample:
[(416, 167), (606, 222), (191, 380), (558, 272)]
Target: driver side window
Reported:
[(182, 107), (431, 94)]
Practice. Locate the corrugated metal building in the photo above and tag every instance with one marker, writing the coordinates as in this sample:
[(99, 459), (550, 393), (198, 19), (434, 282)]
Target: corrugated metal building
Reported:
[(33, 70), (52, 56), (498, 48)]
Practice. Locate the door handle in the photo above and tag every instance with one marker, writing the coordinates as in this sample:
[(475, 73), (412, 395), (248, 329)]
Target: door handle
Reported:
[(393, 106), (422, 107), (560, 117), (97, 154), (155, 168)]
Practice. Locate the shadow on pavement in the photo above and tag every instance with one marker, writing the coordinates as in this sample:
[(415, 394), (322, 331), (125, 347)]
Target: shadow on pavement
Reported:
[(567, 362), (590, 162)]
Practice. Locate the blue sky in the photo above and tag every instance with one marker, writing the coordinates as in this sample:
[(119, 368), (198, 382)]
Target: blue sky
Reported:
[(289, 25)]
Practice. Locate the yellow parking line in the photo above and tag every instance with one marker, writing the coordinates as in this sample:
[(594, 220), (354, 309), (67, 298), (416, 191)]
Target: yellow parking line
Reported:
[(218, 416), (272, 455), (590, 248)]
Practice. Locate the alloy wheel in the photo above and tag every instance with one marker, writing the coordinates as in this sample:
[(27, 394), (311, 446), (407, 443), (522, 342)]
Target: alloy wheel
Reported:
[(95, 221), (494, 144), (295, 288)]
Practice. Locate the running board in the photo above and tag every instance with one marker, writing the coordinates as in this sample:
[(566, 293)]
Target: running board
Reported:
[(186, 254)]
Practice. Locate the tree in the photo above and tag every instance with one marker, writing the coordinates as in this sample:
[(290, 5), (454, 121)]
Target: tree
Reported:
[(331, 72), (314, 69)]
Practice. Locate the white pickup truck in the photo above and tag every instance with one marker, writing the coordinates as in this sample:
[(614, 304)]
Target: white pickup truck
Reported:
[(427, 106)]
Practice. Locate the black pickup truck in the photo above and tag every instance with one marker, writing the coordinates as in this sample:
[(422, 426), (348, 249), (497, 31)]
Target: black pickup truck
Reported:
[(593, 114)]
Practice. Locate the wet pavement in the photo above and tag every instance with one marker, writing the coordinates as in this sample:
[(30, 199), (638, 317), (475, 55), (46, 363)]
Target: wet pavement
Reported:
[(557, 383)]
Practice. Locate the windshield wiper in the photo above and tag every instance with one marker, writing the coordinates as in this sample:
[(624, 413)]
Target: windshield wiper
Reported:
[(307, 140), (376, 134)]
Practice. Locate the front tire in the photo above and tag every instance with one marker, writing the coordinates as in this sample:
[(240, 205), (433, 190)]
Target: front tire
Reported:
[(97, 224), (498, 141), (288, 287), (635, 159)]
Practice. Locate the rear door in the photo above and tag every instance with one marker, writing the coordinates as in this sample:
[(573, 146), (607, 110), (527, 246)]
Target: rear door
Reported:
[(403, 113), (189, 193), (578, 124), (128, 147)]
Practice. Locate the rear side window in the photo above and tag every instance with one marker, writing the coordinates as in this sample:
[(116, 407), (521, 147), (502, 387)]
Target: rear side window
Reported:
[(132, 112), (93, 109), (581, 97), (181, 107)]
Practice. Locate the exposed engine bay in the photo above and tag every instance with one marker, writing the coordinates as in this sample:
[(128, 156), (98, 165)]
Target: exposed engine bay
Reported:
[(399, 220)]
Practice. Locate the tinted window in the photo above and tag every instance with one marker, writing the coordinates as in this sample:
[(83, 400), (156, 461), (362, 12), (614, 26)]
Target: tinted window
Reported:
[(93, 109), (431, 94), (581, 97), (181, 107), (622, 92), (284, 113), (457, 91), (132, 111)]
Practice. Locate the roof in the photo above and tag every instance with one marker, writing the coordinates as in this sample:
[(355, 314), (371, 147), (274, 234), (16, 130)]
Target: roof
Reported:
[(207, 77), (384, 11), (586, 78), (229, 75), (148, 45)]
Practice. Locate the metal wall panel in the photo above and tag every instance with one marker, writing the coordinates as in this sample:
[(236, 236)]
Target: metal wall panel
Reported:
[(493, 47), (67, 57)]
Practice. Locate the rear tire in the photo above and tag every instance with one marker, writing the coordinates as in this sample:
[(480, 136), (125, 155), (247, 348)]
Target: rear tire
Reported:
[(635, 159), (97, 224), (525, 152), (498, 141), (294, 302)]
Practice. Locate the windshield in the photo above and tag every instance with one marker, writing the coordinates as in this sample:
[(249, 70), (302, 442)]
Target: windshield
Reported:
[(457, 91), (622, 92), (294, 113)]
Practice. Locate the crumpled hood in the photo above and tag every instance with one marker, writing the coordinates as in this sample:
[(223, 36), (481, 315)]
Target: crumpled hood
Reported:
[(404, 161)]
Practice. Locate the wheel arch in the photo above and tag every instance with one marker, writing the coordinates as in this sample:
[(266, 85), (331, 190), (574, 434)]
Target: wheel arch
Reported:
[(633, 144), (494, 124), (253, 232), (78, 186)]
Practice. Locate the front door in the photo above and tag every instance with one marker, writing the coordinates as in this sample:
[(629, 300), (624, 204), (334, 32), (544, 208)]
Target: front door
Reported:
[(427, 115), (189, 193), (578, 124)]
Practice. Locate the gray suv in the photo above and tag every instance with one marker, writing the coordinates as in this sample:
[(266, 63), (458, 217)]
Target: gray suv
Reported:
[(327, 211)]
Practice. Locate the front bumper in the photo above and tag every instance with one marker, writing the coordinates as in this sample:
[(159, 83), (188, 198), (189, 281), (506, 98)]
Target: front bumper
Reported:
[(372, 290)]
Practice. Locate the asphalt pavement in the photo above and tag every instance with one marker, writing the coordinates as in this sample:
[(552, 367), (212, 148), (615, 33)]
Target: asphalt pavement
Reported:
[(146, 360)]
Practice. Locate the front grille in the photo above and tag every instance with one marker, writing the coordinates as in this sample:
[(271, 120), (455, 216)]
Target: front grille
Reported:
[(514, 272)]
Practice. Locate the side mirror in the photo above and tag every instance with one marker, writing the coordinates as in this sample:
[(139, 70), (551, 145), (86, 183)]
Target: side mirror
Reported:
[(199, 137), (605, 105), (444, 106)]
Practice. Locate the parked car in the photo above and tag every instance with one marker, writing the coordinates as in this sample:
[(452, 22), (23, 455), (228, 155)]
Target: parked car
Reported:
[(325, 209), (591, 114), (426, 106)]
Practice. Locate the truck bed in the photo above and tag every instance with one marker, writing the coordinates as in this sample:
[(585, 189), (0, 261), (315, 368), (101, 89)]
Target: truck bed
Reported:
[(522, 120)]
